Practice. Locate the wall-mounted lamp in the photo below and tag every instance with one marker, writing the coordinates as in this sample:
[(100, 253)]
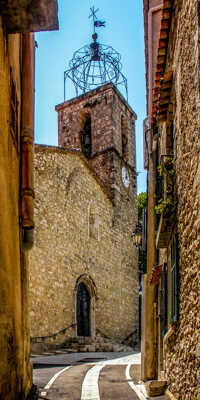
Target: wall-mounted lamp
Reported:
[(137, 236)]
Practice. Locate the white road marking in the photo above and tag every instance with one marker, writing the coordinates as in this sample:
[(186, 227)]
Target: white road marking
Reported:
[(52, 380), (90, 388), (137, 388)]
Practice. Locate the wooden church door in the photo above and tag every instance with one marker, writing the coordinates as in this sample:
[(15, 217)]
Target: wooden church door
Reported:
[(83, 310)]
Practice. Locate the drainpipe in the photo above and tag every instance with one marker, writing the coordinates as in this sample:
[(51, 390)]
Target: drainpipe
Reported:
[(27, 139)]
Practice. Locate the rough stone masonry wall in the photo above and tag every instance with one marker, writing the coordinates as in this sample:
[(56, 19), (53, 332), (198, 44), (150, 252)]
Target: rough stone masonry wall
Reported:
[(182, 361), (71, 118), (65, 189)]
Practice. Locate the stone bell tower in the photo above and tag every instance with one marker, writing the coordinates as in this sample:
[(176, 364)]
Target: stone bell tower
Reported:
[(99, 122), (101, 125)]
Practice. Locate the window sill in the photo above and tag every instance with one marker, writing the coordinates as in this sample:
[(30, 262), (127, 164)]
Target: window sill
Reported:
[(170, 338)]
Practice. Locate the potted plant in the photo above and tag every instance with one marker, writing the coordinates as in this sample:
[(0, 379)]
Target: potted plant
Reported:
[(159, 170), (165, 206)]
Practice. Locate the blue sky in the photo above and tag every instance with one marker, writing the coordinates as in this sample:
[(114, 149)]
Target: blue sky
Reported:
[(124, 32)]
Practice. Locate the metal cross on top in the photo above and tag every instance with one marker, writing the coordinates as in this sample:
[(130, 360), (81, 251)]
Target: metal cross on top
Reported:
[(97, 23)]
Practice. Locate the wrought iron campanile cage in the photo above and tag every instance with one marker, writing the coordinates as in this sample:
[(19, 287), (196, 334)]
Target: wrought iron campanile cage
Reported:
[(95, 65)]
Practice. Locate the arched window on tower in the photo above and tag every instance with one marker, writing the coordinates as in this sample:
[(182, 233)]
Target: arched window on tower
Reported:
[(86, 137), (124, 137)]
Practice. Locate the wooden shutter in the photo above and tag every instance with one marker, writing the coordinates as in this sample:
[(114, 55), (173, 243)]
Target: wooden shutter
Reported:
[(174, 281), (164, 298)]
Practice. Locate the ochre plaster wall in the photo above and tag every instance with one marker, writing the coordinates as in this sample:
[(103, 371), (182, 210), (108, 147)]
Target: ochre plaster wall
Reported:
[(65, 189), (15, 370)]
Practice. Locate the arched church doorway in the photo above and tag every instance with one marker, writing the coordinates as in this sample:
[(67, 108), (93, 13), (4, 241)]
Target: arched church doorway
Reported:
[(83, 305)]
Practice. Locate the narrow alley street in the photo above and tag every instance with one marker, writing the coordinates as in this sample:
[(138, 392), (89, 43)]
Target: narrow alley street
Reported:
[(99, 204), (84, 376), (89, 376)]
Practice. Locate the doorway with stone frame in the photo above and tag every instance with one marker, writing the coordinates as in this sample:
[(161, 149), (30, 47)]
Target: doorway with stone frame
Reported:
[(83, 310), (85, 295)]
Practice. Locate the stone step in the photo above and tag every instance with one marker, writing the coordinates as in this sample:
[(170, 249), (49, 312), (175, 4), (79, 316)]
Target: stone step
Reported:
[(82, 345), (68, 350)]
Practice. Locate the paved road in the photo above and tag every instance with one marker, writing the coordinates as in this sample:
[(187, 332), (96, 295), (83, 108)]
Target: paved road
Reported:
[(88, 376)]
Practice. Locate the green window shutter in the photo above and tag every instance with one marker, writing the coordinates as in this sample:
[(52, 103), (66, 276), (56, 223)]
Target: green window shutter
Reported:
[(174, 281), (164, 298)]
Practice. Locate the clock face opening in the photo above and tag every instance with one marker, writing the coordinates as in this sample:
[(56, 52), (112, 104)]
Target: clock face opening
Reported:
[(125, 177)]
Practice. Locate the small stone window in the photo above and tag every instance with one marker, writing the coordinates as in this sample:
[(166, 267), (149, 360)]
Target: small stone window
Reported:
[(86, 138), (93, 225), (13, 110)]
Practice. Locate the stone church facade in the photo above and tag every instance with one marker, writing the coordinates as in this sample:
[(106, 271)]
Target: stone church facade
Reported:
[(83, 267)]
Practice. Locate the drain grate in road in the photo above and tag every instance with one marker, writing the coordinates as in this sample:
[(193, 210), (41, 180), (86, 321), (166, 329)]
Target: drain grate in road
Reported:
[(90, 359), (37, 365)]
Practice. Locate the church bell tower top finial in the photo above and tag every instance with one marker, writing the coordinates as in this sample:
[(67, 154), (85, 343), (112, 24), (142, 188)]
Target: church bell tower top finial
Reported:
[(96, 23), (95, 65)]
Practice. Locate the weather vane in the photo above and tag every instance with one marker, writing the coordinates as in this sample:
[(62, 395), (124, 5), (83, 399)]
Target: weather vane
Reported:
[(96, 23)]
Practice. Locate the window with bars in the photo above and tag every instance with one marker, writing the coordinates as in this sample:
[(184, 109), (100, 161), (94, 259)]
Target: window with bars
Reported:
[(174, 281), (13, 110)]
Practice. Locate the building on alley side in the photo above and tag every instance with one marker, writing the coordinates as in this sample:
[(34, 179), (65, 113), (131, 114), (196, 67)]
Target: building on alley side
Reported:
[(170, 346)]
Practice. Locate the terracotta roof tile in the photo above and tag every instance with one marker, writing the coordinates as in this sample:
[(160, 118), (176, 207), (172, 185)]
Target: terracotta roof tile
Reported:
[(163, 81)]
